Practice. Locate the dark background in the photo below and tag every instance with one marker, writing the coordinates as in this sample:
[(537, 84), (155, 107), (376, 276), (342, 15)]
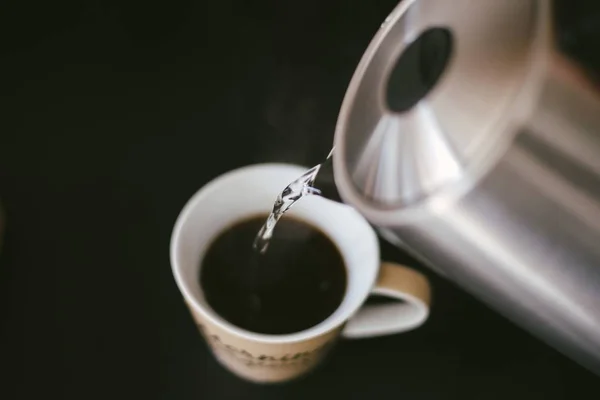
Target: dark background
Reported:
[(113, 113)]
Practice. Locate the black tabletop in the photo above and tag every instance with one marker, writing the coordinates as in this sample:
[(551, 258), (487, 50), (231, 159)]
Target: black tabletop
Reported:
[(113, 114)]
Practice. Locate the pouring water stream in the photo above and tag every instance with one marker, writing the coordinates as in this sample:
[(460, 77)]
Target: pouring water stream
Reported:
[(303, 186)]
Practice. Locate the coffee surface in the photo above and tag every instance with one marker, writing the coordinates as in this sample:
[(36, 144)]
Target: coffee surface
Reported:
[(297, 283)]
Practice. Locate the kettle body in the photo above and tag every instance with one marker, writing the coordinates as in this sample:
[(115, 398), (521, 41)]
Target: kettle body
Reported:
[(488, 169)]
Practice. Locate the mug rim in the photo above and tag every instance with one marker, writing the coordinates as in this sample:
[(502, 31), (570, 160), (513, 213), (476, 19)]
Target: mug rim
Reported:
[(321, 328)]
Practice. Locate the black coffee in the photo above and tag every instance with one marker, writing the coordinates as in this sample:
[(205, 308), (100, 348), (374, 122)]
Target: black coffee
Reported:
[(297, 283)]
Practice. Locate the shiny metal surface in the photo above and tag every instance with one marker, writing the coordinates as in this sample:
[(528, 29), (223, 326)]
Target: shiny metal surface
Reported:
[(494, 177), (399, 159)]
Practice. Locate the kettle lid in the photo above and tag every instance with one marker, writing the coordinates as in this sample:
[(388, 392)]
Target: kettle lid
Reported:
[(435, 95)]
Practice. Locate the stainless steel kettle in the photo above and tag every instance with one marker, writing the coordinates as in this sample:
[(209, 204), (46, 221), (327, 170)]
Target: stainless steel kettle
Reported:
[(470, 141)]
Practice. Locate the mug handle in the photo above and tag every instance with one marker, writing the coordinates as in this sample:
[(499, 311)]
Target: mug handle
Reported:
[(398, 282)]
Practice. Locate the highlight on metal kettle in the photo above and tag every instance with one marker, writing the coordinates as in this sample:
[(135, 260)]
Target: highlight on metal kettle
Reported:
[(472, 142)]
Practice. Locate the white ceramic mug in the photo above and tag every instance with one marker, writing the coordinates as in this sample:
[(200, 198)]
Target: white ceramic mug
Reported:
[(250, 191)]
